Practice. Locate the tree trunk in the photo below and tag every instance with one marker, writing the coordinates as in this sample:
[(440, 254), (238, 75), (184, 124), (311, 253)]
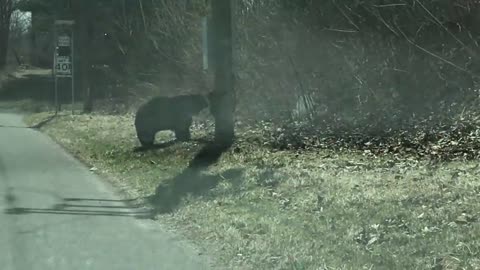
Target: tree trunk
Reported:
[(85, 68), (5, 15), (17, 57), (83, 20), (33, 41), (6, 9), (223, 97), (3, 46)]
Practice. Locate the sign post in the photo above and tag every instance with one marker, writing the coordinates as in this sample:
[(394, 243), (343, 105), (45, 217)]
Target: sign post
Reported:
[(63, 57), (205, 42)]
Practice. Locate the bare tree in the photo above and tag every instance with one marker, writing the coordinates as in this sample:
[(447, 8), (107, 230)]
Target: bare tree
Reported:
[(19, 25), (6, 9)]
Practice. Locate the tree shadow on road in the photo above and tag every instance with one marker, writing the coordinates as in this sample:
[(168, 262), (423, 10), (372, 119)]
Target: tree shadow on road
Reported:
[(191, 181), (43, 122), (89, 207), (36, 126)]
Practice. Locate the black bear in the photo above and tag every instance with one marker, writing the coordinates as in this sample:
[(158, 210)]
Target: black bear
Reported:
[(167, 113)]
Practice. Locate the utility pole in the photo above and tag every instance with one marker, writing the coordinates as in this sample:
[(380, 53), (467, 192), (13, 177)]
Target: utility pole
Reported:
[(84, 27), (81, 11), (223, 96)]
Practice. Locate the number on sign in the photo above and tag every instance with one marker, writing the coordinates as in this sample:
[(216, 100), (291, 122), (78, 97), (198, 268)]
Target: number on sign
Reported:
[(63, 67)]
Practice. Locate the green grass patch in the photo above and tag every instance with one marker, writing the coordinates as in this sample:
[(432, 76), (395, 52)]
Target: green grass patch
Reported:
[(285, 210)]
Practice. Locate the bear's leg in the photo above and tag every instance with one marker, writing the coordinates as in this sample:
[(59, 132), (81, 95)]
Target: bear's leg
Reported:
[(146, 138), (182, 131)]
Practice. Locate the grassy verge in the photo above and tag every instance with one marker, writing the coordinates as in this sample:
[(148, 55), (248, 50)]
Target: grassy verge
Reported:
[(286, 210)]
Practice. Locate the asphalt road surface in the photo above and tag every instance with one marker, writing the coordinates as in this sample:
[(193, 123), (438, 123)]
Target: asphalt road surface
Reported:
[(56, 214)]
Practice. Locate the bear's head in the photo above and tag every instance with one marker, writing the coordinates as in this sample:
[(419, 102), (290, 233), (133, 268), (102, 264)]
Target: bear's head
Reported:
[(198, 103)]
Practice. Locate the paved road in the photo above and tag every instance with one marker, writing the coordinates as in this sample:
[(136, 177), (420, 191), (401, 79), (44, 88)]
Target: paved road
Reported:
[(55, 214)]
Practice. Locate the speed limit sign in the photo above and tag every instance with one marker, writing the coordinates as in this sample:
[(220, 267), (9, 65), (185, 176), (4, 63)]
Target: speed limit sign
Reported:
[(63, 55), (63, 66)]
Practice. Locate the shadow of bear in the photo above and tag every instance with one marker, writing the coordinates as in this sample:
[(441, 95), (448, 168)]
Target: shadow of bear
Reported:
[(192, 180)]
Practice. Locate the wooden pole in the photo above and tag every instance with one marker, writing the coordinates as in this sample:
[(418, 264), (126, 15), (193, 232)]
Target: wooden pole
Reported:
[(223, 97)]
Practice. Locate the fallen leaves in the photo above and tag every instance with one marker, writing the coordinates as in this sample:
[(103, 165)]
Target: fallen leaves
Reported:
[(443, 142)]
